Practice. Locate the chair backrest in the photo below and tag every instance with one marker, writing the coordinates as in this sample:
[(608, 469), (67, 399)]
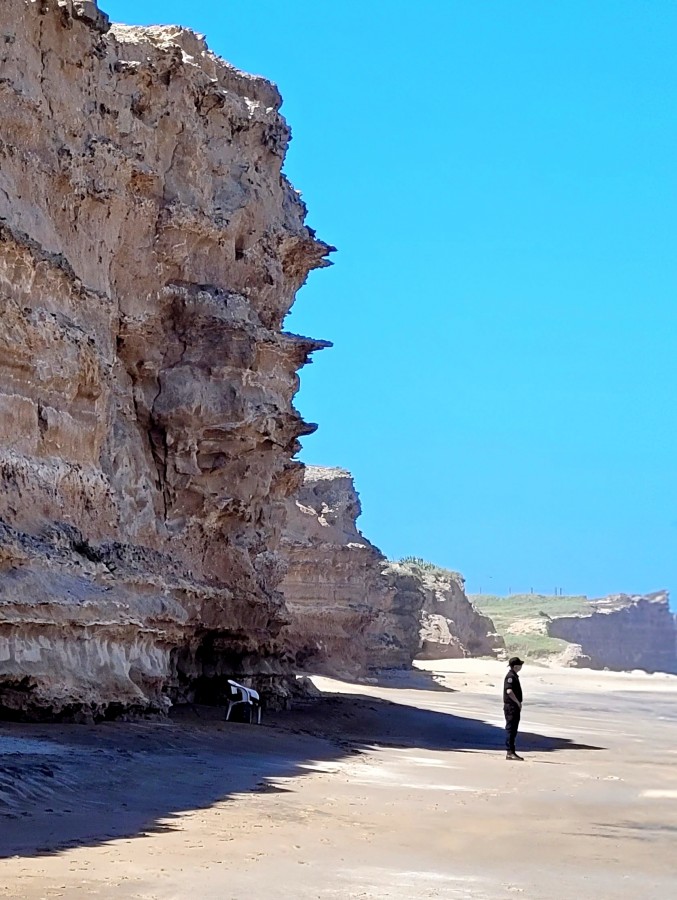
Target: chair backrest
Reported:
[(236, 689), (249, 695)]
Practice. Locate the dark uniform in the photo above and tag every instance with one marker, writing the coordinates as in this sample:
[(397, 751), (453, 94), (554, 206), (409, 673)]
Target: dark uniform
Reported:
[(511, 710)]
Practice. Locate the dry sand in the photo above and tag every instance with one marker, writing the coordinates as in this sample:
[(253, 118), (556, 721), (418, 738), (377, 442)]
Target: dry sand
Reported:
[(397, 789)]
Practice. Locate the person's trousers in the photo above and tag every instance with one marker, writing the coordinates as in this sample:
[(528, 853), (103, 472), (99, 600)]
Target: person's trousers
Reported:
[(512, 720)]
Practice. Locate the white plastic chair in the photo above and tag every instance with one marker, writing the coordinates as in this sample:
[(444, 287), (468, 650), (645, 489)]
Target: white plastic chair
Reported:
[(247, 696)]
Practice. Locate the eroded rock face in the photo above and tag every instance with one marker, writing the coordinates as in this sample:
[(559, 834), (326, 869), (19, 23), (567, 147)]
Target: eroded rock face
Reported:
[(149, 250), (334, 587), (623, 631), (451, 627), (353, 611)]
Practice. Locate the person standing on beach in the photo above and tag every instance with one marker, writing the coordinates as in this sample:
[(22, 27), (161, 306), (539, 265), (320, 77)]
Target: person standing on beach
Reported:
[(512, 706)]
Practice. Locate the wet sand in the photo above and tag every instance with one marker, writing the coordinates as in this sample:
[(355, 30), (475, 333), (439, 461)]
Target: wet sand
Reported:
[(397, 789)]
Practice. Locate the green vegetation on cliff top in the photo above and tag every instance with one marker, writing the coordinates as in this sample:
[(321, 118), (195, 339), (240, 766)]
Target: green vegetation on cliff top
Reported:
[(426, 566), (521, 620)]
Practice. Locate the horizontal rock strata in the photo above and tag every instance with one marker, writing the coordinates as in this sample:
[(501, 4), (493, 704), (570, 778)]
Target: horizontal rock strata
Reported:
[(623, 631), (345, 616), (150, 248), (351, 610)]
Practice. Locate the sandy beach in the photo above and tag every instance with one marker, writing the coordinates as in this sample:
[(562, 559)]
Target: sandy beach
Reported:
[(393, 789)]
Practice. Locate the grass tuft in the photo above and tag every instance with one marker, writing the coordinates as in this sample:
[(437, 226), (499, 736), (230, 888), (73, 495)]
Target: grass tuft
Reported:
[(426, 566)]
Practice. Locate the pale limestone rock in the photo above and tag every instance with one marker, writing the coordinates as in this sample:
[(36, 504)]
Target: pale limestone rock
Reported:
[(150, 248), (351, 610)]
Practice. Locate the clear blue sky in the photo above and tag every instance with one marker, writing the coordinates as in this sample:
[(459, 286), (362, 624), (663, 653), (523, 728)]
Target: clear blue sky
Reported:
[(500, 181)]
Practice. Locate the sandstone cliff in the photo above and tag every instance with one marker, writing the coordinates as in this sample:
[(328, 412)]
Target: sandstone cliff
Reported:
[(346, 617), (351, 610), (622, 632), (150, 248)]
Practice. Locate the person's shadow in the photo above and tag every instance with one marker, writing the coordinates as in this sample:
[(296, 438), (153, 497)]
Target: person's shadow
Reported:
[(361, 721)]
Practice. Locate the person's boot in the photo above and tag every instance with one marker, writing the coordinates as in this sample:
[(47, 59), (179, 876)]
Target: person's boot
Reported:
[(513, 755)]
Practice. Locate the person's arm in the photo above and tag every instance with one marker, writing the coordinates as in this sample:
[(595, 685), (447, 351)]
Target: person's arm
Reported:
[(513, 697)]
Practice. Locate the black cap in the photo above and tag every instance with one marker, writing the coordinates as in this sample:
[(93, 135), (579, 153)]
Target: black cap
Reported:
[(515, 661)]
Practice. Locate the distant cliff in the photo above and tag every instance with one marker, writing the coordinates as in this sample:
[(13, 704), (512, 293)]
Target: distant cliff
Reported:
[(351, 610), (617, 632), (623, 632)]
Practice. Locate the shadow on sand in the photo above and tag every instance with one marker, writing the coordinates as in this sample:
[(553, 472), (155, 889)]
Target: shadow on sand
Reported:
[(73, 785), (361, 722), (411, 679)]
